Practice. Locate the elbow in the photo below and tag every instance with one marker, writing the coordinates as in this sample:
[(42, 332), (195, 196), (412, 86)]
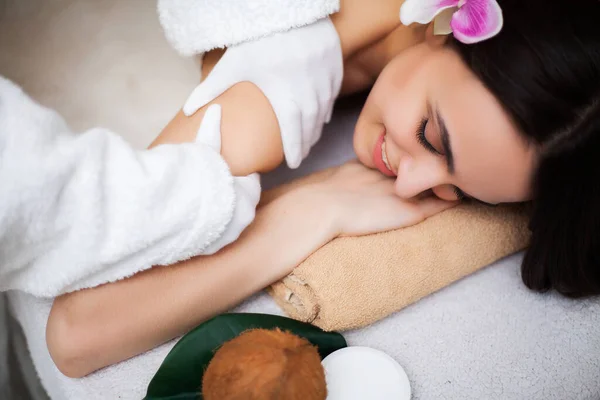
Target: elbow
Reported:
[(68, 340)]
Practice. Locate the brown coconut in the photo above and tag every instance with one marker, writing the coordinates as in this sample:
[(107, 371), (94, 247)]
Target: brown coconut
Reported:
[(265, 365)]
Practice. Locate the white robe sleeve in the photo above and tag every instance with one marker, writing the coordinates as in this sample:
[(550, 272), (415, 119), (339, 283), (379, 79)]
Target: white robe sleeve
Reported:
[(79, 210), (196, 26)]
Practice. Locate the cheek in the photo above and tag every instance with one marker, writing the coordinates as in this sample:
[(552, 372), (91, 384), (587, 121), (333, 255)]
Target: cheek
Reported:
[(495, 166), (396, 103), (402, 103), (366, 128), (402, 116)]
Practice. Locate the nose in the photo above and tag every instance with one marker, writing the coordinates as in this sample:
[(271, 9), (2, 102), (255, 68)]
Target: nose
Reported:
[(418, 176)]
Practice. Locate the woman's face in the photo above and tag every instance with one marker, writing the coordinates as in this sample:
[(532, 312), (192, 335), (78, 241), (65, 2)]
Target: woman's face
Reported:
[(432, 124)]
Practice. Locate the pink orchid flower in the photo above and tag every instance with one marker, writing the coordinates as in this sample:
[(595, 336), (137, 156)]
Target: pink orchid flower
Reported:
[(470, 21)]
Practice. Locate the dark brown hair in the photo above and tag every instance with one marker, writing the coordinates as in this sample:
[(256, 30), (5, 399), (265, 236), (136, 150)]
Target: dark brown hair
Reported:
[(544, 68)]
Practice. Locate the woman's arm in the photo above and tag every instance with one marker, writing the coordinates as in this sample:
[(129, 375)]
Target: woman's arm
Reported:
[(93, 328), (250, 136)]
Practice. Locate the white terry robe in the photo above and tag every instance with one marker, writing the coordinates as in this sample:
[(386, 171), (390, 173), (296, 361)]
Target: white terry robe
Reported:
[(196, 26), (77, 211), (81, 210)]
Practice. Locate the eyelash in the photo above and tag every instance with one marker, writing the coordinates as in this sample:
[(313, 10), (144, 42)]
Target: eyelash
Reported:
[(422, 139), (425, 143), (459, 193)]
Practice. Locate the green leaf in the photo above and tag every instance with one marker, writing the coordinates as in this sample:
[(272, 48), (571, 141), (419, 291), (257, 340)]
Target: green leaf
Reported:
[(180, 375)]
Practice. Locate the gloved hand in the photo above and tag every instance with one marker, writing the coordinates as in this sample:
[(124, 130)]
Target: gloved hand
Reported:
[(247, 188), (299, 71)]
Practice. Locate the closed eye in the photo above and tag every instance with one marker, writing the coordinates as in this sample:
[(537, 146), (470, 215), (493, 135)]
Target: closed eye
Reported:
[(423, 139), (460, 195)]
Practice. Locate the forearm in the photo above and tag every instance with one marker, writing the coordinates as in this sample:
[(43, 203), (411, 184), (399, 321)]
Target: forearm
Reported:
[(93, 328)]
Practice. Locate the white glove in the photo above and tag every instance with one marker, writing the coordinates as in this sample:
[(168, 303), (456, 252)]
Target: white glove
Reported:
[(247, 188), (299, 71)]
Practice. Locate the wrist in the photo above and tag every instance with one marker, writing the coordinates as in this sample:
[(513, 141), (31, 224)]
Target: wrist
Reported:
[(315, 211), (299, 223)]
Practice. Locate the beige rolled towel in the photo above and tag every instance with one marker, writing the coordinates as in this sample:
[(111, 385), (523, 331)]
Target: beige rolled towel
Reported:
[(355, 281)]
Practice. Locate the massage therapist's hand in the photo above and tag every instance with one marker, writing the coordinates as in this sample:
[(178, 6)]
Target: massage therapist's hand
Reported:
[(361, 201), (299, 71)]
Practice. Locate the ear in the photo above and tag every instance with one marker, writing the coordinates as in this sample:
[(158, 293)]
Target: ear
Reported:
[(433, 39)]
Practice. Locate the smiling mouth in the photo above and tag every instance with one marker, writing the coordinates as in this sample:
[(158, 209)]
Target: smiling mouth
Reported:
[(380, 157), (384, 155)]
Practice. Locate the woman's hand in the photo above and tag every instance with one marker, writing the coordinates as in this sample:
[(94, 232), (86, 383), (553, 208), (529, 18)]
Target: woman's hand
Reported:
[(361, 201)]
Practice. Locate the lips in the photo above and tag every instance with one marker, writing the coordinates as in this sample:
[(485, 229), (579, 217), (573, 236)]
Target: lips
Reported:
[(378, 157)]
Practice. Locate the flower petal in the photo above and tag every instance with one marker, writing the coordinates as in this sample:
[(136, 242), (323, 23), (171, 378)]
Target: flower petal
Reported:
[(477, 20), (423, 11), (441, 23)]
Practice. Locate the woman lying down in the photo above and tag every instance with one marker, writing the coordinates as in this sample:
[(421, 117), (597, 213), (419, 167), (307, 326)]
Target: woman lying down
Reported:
[(505, 108)]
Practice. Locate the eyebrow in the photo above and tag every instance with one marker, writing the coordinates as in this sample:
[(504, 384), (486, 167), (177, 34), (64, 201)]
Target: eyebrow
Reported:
[(445, 137), (449, 156)]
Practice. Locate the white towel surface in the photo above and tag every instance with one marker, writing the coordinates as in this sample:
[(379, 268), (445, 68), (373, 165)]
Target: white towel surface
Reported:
[(196, 26)]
